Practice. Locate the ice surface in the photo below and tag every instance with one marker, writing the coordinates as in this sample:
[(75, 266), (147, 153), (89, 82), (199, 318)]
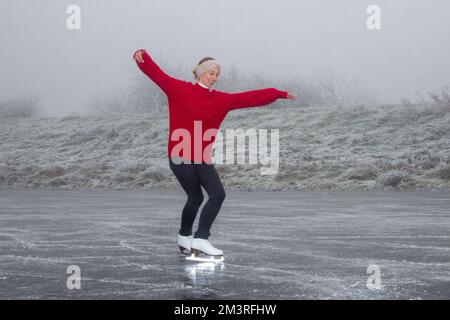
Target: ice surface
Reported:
[(277, 245)]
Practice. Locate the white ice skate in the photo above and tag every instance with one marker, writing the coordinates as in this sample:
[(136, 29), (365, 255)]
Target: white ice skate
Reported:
[(184, 244), (202, 250)]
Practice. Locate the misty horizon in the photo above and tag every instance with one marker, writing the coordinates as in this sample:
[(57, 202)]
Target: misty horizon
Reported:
[(279, 39)]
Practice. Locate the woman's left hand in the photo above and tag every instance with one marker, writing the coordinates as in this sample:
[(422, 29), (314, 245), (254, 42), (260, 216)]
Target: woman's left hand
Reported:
[(291, 96)]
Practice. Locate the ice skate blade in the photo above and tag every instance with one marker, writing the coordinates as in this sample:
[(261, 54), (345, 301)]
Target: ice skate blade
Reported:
[(184, 251), (213, 259)]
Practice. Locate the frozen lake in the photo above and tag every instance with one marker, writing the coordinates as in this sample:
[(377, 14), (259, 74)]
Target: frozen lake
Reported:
[(277, 245)]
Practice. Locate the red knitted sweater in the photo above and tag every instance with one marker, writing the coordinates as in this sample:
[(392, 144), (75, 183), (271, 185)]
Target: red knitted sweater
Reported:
[(194, 110)]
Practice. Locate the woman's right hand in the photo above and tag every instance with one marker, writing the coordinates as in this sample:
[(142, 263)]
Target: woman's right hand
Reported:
[(138, 56)]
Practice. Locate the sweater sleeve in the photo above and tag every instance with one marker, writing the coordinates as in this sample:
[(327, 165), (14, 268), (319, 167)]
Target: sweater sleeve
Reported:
[(253, 98), (158, 76)]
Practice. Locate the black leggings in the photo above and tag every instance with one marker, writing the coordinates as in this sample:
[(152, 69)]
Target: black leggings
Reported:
[(191, 177)]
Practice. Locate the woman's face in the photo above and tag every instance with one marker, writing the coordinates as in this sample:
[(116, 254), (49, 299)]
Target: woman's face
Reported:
[(210, 77)]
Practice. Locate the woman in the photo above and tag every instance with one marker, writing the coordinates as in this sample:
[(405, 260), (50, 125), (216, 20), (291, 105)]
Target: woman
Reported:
[(197, 109)]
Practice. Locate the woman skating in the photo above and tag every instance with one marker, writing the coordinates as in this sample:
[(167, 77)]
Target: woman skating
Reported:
[(197, 109)]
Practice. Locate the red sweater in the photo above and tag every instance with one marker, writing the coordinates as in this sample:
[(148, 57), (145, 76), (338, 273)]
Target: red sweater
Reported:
[(198, 110)]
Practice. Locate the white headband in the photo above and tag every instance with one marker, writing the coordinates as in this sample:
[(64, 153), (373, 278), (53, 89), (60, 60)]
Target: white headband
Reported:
[(205, 67)]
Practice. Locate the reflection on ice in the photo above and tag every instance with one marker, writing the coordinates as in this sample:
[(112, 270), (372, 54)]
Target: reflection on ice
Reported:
[(201, 274)]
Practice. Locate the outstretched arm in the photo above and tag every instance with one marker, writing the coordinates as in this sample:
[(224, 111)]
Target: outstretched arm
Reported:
[(154, 72), (254, 98)]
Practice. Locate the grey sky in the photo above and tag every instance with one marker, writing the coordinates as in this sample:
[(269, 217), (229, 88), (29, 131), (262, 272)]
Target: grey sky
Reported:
[(278, 37)]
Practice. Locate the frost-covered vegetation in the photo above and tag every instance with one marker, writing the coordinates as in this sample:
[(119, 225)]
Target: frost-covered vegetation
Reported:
[(21, 107), (403, 146)]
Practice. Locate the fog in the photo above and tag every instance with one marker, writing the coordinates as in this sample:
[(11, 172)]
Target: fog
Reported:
[(284, 38)]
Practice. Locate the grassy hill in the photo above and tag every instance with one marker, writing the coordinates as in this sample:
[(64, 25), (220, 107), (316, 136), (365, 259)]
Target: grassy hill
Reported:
[(390, 146)]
